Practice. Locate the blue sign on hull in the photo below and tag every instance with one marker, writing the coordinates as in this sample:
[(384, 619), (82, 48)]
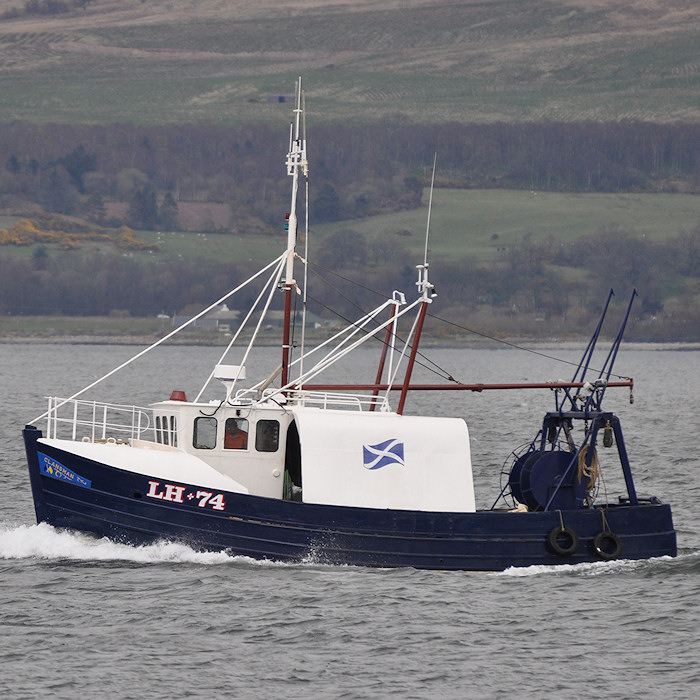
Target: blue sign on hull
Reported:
[(50, 467)]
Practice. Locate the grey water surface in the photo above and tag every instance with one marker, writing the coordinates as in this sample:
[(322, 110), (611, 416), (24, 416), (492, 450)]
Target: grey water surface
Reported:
[(85, 617)]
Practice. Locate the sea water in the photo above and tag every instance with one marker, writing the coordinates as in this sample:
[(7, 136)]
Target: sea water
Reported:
[(86, 617)]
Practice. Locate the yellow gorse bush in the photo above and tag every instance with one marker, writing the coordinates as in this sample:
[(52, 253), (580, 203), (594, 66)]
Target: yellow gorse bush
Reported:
[(26, 232)]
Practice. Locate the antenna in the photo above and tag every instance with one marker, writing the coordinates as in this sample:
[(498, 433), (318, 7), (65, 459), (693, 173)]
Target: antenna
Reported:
[(427, 292), (430, 208)]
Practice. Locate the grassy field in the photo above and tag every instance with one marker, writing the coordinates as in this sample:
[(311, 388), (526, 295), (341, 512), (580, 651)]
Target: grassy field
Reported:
[(216, 247), (477, 223), (56, 327), (465, 223), (473, 60)]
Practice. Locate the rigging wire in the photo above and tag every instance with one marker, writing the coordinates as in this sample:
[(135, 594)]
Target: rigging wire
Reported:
[(447, 375), (514, 345), (440, 372)]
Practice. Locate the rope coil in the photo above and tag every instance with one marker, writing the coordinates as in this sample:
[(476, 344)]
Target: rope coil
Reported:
[(589, 472)]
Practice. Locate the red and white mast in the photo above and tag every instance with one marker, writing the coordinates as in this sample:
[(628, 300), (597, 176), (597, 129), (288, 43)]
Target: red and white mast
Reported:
[(297, 166)]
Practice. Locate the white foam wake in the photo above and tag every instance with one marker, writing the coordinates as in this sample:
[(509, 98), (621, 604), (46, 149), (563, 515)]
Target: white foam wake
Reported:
[(587, 569), (45, 542)]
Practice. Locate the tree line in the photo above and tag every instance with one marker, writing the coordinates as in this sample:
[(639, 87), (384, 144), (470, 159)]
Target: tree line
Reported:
[(533, 281), (358, 170), (528, 282), (92, 283)]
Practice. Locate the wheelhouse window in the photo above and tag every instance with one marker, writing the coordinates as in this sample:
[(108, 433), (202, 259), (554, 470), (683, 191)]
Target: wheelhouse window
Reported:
[(204, 437), (166, 430), (267, 435), (236, 434), (173, 431)]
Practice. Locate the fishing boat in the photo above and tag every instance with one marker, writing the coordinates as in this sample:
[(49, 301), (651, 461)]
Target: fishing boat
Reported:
[(287, 468)]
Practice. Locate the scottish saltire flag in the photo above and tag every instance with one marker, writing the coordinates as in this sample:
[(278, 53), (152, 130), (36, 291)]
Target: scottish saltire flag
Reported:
[(383, 454)]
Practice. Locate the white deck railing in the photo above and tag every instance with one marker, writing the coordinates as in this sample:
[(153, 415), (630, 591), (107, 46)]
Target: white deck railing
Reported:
[(77, 419), (327, 399), (322, 399)]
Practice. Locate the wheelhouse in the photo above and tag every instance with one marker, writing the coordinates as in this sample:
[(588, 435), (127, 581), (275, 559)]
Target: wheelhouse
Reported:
[(240, 441)]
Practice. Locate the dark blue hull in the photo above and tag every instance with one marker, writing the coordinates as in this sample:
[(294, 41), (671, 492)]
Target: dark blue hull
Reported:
[(128, 507)]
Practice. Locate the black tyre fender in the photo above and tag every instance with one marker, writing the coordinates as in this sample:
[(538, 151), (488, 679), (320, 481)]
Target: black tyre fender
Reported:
[(563, 541), (607, 545)]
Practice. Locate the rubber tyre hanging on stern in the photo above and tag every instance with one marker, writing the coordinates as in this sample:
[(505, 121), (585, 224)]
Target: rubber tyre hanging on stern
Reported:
[(607, 545), (563, 541)]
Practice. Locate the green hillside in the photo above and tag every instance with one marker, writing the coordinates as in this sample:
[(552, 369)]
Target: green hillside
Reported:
[(107, 61), (130, 114), (480, 223)]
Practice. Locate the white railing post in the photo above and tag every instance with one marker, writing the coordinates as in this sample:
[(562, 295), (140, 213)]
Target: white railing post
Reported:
[(50, 417), (75, 420), (104, 422)]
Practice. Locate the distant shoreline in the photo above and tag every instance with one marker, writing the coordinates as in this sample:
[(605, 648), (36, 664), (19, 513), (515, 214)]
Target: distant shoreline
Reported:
[(428, 342)]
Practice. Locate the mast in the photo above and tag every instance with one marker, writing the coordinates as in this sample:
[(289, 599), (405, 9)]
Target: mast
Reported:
[(427, 291), (296, 165)]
